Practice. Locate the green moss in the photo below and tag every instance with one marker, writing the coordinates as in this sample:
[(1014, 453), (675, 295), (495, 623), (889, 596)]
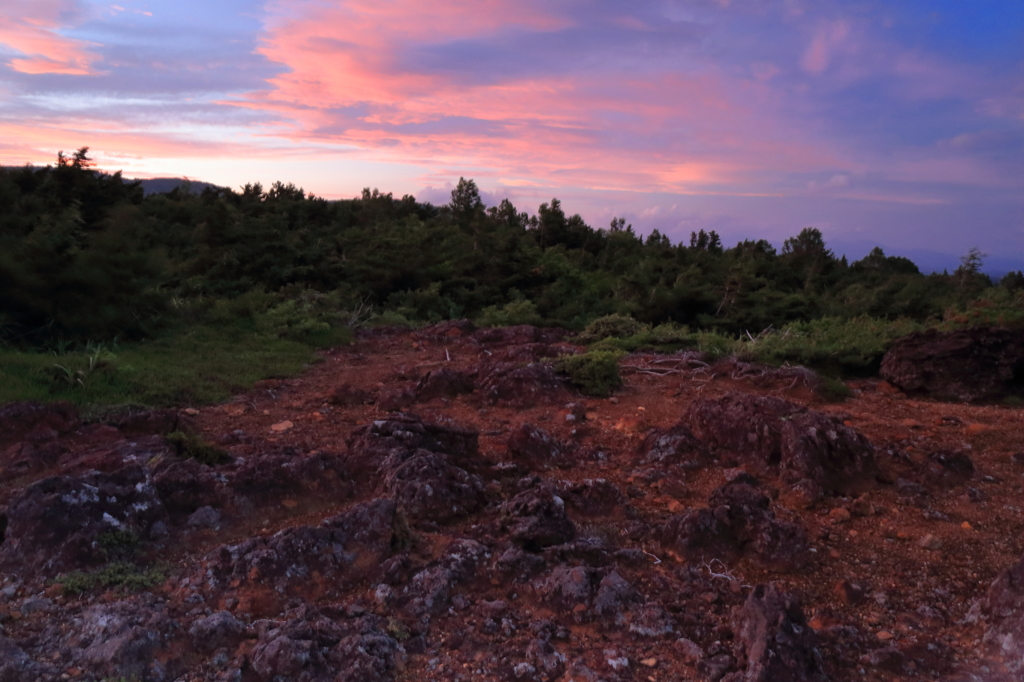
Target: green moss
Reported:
[(190, 445), (119, 575)]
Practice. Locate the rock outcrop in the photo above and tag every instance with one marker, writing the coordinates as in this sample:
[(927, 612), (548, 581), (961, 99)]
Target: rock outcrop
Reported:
[(968, 365)]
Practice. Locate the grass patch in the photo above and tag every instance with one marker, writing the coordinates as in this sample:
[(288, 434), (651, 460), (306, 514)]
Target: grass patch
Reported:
[(595, 373), (119, 575), (200, 365)]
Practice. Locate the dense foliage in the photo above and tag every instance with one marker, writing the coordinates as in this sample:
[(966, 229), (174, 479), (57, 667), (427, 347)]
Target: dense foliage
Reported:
[(84, 255)]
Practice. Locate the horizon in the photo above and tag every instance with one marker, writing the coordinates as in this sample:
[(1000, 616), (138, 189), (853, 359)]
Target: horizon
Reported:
[(893, 126)]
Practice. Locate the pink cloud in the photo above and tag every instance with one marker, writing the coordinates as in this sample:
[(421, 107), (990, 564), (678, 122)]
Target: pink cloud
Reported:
[(351, 82), (31, 27), (828, 39)]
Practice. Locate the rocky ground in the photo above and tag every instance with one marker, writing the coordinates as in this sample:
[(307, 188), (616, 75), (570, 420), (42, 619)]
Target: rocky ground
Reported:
[(440, 505)]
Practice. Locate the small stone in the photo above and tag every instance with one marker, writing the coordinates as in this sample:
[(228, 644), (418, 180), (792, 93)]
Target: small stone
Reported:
[(266, 413), (675, 506), (281, 427), (848, 593), (929, 541), (976, 429), (839, 515), (613, 400), (289, 504), (862, 507), (649, 662), (884, 635), (191, 411), (854, 533), (690, 650), (966, 526), (833, 554)]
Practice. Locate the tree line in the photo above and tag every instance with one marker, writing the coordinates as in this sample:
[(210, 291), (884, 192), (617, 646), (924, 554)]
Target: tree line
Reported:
[(85, 255)]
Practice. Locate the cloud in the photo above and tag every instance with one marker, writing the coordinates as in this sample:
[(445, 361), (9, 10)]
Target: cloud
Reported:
[(31, 30), (828, 38)]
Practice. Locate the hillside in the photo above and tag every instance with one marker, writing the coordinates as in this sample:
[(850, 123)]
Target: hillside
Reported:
[(440, 505)]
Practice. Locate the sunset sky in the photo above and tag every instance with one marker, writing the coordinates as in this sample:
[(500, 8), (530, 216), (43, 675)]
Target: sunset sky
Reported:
[(896, 123)]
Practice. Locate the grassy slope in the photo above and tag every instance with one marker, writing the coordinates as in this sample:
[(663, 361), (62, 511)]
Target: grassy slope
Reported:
[(195, 366)]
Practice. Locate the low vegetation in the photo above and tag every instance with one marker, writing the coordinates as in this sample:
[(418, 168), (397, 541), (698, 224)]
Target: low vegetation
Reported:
[(109, 297)]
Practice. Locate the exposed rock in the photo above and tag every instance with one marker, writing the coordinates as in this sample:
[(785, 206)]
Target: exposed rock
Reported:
[(121, 640), (536, 448), (652, 620), (614, 596), (347, 395), (17, 666), (676, 445), (204, 517), (307, 560), (34, 422), (513, 386), (594, 497), (396, 399), (427, 487), (566, 588), (802, 443), (536, 518), (430, 591), (316, 649), (184, 485), (969, 365), (54, 525), (948, 468), (737, 522), (1004, 606), (443, 383), (220, 629), (264, 479), (774, 641), (399, 436)]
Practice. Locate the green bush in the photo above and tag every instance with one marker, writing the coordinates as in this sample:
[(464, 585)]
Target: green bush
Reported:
[(521, 311), (830, 345), (595, 373), (190, 445), (611, 326)]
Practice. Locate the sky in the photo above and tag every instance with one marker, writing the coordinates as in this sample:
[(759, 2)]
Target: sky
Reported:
[(897, 124)]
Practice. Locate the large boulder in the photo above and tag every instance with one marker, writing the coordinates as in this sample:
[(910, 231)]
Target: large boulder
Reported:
[(801, 444), (400, 435), (61, 523), (737, 522), (305, 561), (510, 385), (969, 365), (426, 468), (774, 641), (314, 648), (536, 518)]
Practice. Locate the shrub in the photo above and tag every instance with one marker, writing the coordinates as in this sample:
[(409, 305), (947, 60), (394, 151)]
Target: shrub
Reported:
[(595, 373), (617, 326), (189, 445), (522, 311)]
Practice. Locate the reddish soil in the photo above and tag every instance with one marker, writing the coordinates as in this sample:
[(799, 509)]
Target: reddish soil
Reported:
[(899, 570)]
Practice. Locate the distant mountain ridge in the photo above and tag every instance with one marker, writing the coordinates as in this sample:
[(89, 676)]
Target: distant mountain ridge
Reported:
[(164, 185)]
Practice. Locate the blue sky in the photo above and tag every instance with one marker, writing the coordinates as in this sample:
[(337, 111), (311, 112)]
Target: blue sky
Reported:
[(881, 123)]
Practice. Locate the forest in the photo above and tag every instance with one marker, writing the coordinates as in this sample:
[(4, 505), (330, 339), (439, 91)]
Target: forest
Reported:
[(88, 261)]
